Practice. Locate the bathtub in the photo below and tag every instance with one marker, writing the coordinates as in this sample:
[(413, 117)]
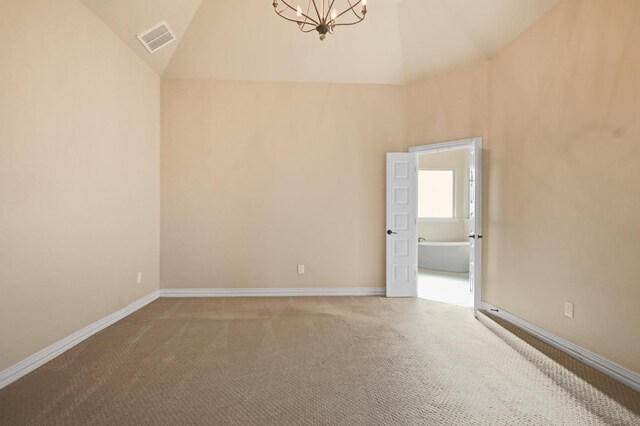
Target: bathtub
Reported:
[(450, 257)]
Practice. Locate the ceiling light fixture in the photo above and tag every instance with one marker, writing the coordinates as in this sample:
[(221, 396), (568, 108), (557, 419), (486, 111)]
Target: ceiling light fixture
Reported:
[(321, 15)]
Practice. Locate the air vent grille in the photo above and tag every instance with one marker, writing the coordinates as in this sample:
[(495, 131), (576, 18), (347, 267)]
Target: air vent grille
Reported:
[(157, 37)]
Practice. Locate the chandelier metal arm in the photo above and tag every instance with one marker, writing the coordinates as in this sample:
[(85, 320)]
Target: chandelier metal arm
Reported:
[(309, 30), (301, 25), (326, 17), (354, 11), (289, 19), (359, 18), (352, 8), (315, 6), (313, 26), (296, 10), (348, 23)]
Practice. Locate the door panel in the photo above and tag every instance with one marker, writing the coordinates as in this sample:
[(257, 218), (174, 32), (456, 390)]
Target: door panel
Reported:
[(402, 260)]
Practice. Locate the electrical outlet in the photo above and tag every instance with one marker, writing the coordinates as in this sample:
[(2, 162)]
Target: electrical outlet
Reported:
[(568, 309), (139, 277), (300, 269)]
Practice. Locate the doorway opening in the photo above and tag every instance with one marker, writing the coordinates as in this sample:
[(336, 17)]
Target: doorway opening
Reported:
[(443, 227)]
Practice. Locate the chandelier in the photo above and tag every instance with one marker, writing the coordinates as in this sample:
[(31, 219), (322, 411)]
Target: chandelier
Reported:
[(321, 15)]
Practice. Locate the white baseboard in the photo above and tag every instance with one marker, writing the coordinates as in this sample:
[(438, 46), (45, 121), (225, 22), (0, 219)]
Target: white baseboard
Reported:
[(38, 359), (272, 292), (608, 367)]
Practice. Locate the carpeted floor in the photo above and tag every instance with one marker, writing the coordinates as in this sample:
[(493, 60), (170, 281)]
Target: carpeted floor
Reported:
[(295, 361)]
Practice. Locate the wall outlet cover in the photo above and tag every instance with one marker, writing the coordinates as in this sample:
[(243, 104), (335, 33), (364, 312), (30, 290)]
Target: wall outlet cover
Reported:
[(568, 309)]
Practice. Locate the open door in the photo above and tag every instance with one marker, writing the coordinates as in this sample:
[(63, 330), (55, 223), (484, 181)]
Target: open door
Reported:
[(402, 235), (475, 209), (475, 223)]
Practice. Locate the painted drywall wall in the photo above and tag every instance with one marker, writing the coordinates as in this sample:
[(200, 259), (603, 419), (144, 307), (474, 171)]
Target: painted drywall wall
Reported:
[(560, 113), (448, 106), (260, 177), (564, 176), (79, 175), (448, 229)]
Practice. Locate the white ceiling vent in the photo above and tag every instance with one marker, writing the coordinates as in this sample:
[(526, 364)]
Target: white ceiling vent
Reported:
[(157, 37)]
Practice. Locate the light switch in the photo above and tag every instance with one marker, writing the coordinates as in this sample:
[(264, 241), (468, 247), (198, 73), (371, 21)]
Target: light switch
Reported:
[(301, 269)]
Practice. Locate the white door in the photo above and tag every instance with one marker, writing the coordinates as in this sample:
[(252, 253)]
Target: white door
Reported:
[(402, 235), (475, 223)]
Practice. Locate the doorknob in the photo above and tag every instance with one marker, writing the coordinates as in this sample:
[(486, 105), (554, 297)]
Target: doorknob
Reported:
[(389, 232)]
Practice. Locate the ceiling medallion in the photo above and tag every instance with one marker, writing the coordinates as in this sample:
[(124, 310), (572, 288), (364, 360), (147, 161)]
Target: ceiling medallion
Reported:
[(321, 15)]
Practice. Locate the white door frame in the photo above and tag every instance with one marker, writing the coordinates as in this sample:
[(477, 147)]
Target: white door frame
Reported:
[(476, 145)]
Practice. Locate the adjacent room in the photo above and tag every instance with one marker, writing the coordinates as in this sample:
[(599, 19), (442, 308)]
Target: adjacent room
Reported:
[(443, 227), (345, 212)]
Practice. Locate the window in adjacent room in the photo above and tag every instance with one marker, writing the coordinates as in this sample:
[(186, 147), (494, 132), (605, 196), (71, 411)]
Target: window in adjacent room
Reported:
[(436, 194)]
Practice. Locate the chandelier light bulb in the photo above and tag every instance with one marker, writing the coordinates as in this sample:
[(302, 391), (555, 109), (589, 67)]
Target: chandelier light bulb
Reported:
[(299, 12)]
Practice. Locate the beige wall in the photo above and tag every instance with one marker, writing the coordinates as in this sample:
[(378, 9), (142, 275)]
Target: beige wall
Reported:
[(260, 177), (560, 113), (448, 106), (79, 148), (448, 229), (564, 176)]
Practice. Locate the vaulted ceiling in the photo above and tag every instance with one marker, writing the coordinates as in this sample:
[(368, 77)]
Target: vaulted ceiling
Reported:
[(400, 41)]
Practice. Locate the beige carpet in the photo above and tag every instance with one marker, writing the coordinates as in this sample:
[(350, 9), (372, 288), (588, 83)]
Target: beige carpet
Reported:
[(294, 361)]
